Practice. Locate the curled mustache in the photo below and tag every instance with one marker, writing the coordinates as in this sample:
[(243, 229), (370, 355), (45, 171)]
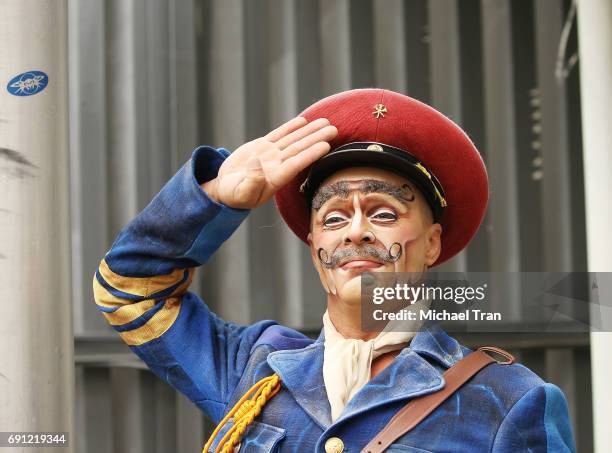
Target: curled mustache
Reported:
[(365, 251)]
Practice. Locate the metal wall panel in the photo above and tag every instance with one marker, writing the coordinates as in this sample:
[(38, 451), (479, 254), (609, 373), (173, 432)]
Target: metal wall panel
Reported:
[(152, 79), (389, 45), (557, 216), (500, 143), (472, 111), (335, 30), (445, 75), (88, 162)]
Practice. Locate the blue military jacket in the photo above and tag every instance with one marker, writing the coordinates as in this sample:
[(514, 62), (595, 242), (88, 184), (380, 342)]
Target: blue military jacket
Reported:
[(141, 287)]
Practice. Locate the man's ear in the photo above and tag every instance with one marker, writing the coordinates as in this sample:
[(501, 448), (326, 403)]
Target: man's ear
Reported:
[(434, 243)]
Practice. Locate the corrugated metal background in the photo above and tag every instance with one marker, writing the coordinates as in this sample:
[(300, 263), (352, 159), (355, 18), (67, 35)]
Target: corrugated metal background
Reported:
[(151, 79)]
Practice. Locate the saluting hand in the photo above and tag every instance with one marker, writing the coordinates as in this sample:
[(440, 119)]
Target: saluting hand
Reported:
[(256, 170)]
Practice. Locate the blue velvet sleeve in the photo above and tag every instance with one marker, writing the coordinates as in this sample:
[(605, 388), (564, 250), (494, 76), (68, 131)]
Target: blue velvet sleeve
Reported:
[(141, 287), (538, 422)]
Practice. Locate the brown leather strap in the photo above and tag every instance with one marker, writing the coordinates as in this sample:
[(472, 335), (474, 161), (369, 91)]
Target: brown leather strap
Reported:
[(419, 408)]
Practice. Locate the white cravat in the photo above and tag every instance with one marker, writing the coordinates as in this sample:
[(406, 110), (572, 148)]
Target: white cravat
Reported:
[(347, 362)]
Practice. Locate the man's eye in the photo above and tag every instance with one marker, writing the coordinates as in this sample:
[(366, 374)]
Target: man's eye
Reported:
[(333, 220), (384, 215)]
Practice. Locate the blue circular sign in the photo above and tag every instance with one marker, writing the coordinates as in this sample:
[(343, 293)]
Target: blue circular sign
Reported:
[(28, 83)]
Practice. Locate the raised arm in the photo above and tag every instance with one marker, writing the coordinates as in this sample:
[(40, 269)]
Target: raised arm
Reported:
[(141, 285)]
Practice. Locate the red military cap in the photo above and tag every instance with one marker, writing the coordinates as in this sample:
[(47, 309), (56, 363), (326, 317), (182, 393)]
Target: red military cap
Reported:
[(381, 128)]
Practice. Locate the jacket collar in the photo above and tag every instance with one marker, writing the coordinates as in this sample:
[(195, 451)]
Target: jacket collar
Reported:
[(408, 376), (301, 372), (434, 343)]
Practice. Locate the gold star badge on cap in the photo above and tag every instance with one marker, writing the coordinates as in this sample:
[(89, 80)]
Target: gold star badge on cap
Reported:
[(379, 110)]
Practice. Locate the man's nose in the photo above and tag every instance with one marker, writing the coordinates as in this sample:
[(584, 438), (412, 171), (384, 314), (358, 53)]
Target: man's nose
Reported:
[(359, 231)]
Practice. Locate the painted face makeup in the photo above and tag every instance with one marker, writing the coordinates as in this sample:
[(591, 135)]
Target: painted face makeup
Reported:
[(341, 189), (391, 255), (366, 225), (355, 255)]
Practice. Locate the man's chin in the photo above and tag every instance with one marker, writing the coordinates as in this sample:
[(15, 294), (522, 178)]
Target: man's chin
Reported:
[(350, 291)]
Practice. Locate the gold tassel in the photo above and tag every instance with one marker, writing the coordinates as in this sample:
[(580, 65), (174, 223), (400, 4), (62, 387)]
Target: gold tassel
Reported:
[(243, 413)]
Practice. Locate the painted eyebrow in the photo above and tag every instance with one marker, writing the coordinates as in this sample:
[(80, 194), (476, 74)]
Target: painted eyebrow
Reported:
[(341, 189)]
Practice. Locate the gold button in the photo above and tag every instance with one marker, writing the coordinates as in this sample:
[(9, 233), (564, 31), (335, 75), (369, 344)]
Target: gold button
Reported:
[(334, 445)]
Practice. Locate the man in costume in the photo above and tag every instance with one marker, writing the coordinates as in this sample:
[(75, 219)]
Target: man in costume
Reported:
[(373, 181)]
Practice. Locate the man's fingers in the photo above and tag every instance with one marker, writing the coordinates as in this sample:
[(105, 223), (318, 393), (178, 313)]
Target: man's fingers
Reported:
[(302, 132), (300, 161), (286, 128), (325, 134)]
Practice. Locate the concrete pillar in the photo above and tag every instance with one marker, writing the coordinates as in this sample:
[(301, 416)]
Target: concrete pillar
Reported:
[(36, 351), (595, 41)]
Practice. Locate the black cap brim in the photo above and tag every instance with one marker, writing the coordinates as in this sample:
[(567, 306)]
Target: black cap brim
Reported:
[(378, 155)]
